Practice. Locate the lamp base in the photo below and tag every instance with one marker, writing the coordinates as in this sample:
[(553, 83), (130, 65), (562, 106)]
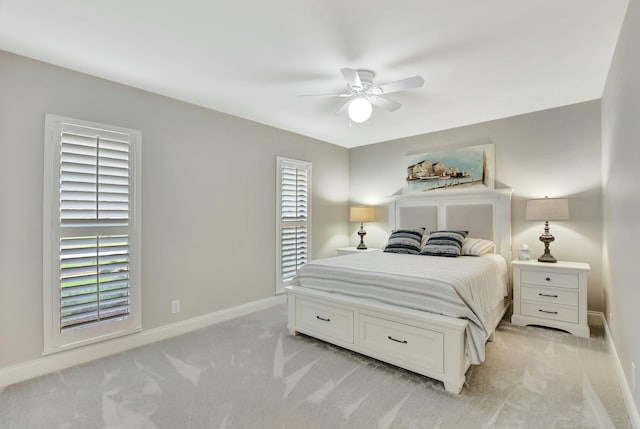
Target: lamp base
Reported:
[(547, 238), (361, 233), (547, 257)]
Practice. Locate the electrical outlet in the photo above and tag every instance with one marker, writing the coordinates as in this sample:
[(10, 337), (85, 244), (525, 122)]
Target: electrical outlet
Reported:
[(633, 377), (175, 306)]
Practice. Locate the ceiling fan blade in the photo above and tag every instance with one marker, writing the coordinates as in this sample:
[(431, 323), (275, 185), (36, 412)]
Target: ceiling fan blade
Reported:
[(399, 85), (385, 103), (352, 77), (343, 108), (326, 95)]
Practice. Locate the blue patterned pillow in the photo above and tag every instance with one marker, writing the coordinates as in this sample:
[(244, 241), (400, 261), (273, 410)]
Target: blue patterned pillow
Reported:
[(444, 243), (405, 241)]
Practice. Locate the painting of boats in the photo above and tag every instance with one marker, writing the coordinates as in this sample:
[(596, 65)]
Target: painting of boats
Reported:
[(464, 168)]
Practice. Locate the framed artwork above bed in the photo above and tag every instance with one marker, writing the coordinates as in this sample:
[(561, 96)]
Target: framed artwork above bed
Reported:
[(467, 168)]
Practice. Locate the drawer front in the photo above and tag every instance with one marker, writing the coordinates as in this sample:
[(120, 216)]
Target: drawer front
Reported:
[(549, 295), (548, 311), (549, 278), (401, 342), (325, 319)]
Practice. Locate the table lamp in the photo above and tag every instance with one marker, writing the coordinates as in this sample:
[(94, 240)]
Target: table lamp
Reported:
[(361, 214)]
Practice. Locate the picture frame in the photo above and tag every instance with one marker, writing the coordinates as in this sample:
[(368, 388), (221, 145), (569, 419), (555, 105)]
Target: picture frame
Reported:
[(459, 169)]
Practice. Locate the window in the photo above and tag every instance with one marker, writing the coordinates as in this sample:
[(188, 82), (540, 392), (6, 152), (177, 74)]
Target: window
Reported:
[(91, 232), (293, 218)]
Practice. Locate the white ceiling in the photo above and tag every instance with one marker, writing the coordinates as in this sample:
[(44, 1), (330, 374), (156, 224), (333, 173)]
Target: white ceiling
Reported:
[(481, 60)]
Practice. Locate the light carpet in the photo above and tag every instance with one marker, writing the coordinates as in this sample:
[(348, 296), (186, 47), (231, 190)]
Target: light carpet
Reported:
[(250, 373)]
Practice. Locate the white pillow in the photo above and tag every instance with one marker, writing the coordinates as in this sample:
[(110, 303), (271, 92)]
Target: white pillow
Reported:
[(477, 247)]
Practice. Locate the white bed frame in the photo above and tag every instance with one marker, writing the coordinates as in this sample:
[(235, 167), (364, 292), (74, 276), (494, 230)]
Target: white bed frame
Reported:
[(426, 343)]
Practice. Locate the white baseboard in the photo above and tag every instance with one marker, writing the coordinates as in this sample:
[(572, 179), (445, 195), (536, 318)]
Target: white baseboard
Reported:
[(56, 362), (632, 410)]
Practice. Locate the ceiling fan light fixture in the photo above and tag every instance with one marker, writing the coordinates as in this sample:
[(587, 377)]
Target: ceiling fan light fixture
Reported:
[(360, 110)]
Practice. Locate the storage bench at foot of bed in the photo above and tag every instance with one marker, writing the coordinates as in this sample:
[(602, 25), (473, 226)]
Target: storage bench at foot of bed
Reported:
[(425, 343)]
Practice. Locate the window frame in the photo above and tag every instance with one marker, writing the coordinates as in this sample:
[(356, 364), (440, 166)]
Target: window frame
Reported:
[(54, 340), (298, 164)]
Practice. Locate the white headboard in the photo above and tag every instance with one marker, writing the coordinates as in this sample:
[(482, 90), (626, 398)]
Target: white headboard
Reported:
[(485, 214)]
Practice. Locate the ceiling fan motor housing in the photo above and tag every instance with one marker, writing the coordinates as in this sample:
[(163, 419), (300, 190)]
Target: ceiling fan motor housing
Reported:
[(366, 78)]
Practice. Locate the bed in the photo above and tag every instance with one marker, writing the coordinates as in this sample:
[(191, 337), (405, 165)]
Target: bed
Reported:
[(428, 314)]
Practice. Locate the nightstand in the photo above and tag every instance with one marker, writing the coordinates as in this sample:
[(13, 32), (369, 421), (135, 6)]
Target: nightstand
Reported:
[(348, 250), (551, 294)]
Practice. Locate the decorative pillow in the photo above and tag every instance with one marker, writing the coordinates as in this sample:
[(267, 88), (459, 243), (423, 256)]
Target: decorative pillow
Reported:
[(425, 237), (405, 241), (477, 246), (444, 243)]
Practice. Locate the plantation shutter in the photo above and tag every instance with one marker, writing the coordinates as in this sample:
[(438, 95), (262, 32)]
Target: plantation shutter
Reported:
[(94, 177), (91, 233), (294, 206), (294, 250), (94, 279), (294, 193), (94, 193)]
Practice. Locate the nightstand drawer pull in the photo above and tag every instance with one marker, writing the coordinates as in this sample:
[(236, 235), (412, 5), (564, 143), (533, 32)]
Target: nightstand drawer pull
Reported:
[(548, 295), (548, 312), (548, 279), (323, 319), (397, 341)]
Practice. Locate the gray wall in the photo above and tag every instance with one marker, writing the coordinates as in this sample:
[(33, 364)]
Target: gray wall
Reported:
[(553, 152), (208, 197), (620, 165)]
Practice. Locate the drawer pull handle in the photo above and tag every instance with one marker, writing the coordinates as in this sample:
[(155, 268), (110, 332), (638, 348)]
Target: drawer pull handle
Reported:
[(546, 294), (545, 311), (548, 279), (397, 341), (323, 319)]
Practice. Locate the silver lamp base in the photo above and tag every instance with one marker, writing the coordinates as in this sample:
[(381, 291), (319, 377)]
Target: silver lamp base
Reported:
[(361, 233), (547, 238)]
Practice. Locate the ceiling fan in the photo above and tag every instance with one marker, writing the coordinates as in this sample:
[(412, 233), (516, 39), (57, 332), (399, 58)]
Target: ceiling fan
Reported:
[(362, 94)]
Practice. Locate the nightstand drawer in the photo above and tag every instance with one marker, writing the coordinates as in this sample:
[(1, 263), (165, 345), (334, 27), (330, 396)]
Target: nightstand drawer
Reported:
[(325, 319), (549, 295), (548, 311), (402, 342), (549, 278)]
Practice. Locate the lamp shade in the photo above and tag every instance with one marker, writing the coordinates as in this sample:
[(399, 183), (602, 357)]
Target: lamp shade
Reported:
[(361, 214), (548, 209)]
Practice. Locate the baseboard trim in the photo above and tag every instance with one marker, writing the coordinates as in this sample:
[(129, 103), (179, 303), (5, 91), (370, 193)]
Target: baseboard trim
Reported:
[(56, 362), (632, 410)]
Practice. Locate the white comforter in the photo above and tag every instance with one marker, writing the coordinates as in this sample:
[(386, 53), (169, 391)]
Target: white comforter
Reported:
[(464, 287)]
